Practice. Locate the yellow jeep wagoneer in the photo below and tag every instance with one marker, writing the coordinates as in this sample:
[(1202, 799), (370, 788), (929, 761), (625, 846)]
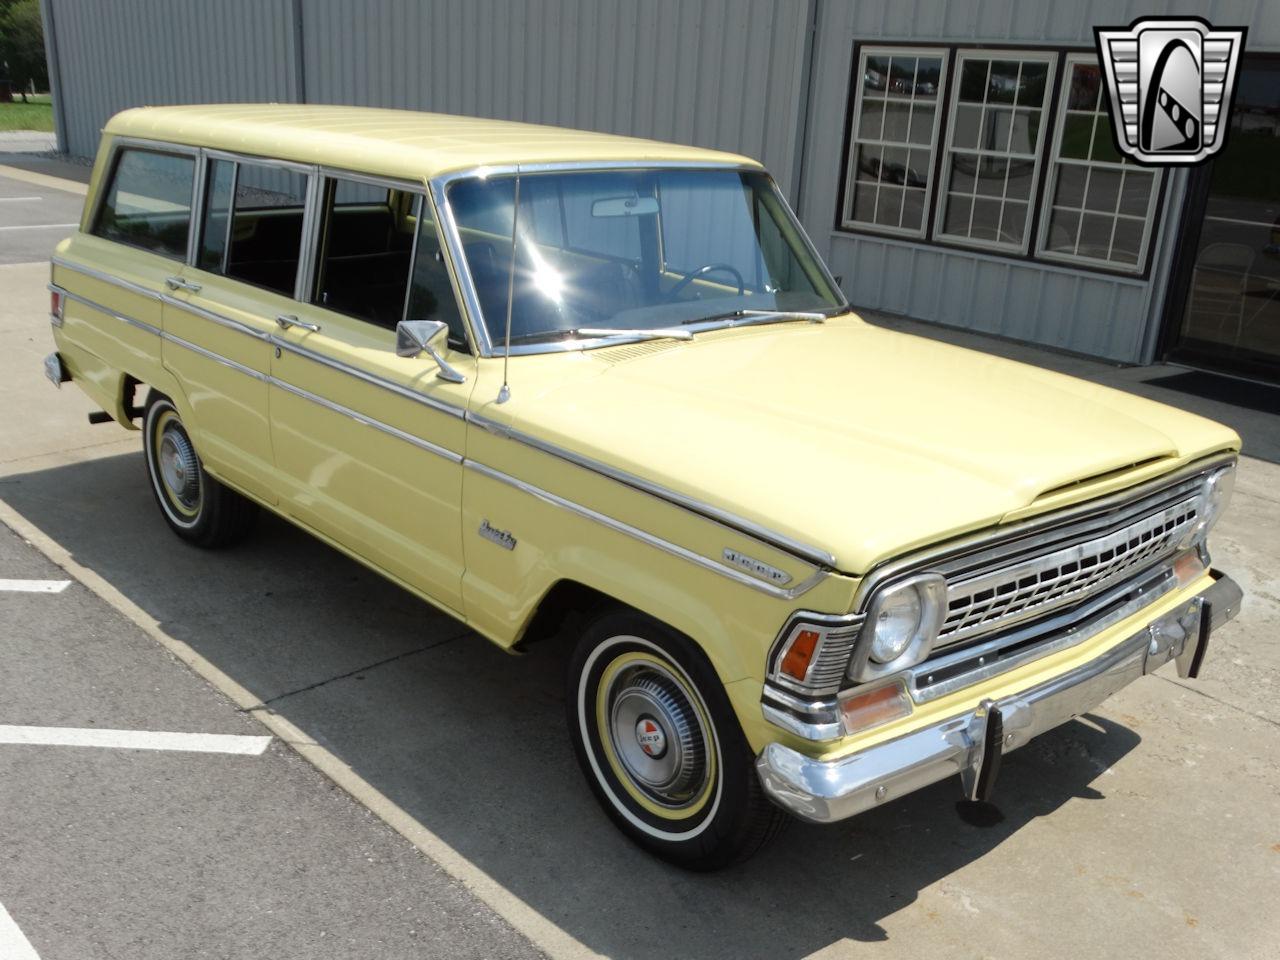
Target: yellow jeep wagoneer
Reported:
[(549, 380)]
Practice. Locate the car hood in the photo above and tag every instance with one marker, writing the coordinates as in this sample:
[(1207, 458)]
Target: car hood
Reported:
[(858, 440)]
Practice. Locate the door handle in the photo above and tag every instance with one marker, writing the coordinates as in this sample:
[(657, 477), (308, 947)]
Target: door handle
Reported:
[(287, 320), (177, 283)]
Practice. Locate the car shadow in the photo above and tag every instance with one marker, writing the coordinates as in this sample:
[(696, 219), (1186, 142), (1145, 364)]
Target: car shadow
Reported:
[(472, 742)]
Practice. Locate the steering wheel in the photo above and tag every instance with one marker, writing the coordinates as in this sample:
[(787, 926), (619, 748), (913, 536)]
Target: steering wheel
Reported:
[(703, 270)]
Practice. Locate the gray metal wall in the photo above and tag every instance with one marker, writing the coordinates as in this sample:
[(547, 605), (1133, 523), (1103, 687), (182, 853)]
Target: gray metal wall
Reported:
[(739, 75), (113, 54), (728, 74), (1115, 318)]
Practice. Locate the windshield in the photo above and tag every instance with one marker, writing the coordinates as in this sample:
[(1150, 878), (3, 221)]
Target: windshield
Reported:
[(633, 250)]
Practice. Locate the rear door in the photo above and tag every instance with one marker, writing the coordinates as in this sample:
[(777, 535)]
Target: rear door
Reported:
[(369, 445), (222, 314)]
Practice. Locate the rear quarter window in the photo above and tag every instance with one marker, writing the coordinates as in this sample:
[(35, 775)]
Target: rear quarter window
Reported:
[(147, 203)]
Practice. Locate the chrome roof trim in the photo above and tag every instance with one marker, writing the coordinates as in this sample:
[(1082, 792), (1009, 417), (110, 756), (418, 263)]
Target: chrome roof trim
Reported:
[(796, 548)]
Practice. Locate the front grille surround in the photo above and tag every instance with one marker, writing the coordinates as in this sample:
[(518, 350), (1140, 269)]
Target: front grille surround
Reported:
[(997, 599)]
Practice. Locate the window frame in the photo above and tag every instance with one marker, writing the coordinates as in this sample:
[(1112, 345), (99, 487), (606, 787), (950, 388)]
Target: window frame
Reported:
[(208, 156), (844, 220), (1150, 222), (945, 148), (122, 145), (308, 292)]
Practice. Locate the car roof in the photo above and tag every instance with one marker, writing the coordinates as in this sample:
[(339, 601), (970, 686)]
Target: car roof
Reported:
[(393, 143)]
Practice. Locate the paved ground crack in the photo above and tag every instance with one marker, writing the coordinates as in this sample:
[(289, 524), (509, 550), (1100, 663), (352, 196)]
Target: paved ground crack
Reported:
[(1224, 703), (351, 673)]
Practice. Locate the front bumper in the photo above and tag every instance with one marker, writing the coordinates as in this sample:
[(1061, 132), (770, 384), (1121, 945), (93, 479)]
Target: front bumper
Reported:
[(971, 744)]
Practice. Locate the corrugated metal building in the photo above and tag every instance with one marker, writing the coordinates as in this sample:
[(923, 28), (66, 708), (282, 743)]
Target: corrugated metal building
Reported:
[(952, 160)]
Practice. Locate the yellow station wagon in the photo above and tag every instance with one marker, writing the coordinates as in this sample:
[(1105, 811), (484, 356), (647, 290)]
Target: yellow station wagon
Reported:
[(559, 381)]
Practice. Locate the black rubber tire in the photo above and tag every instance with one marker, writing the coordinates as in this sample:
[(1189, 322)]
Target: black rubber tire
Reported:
[(737, 819), (222, 517)]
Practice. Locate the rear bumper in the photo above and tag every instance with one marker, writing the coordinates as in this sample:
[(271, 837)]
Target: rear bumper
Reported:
[(825, 791)]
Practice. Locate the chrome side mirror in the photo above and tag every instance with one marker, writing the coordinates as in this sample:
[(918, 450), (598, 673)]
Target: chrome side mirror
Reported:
[(416, 337)]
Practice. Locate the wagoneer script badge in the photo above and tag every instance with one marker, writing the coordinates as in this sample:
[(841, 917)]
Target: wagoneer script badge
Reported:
[(501, 537), (757, 568)]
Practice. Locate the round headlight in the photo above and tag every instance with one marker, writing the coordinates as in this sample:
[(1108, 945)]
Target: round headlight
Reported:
[(1215, 494), (897, 621), (903, 620)]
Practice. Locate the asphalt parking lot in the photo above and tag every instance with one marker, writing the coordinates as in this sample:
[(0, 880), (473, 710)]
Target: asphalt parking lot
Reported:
[(1151, 828)]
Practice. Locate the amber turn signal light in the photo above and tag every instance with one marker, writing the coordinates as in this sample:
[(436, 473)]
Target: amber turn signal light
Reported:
[(800, 654)]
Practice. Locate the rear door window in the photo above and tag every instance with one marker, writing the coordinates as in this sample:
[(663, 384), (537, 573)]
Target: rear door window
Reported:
[(252, 228), (147, 203)]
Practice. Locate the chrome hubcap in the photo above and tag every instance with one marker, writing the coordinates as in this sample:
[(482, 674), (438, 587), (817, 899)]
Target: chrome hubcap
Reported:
[(179, 468), (657, 735)]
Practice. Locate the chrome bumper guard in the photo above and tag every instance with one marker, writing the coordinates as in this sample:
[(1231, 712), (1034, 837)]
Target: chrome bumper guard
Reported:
[(825, 791)]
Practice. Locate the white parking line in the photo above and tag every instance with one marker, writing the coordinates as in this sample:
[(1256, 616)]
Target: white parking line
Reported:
[(545, 934), (13, 944), (134, 740), (33, 586), (42, 226), (20, 199)]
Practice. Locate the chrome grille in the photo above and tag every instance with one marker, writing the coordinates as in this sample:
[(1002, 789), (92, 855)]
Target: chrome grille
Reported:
[(1019, 590)]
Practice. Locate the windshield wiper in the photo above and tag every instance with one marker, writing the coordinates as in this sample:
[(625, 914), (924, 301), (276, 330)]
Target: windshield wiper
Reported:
[(747, 318), (609, 333)]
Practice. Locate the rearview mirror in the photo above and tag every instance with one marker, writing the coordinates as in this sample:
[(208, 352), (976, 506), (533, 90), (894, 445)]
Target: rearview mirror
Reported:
[(416, 337), (624, 206)]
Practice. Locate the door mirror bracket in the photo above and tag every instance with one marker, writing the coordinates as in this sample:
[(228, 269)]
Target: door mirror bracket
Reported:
[(416, 337)]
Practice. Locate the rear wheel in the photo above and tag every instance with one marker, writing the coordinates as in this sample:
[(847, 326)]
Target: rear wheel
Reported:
[(658, 741), (197, 507)]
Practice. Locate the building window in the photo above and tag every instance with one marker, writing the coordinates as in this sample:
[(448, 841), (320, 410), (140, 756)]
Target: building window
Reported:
[(895, 127), (994, 142), (1098, 205)]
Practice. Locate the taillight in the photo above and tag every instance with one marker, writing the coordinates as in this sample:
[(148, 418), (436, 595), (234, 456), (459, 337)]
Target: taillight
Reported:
[(55, 307)]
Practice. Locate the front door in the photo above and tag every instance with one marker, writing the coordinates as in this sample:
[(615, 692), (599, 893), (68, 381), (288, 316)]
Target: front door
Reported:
[(1230, 317), (368, 445)]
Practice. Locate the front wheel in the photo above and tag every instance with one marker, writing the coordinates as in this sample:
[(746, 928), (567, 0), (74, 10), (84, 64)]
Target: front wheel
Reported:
[(660, 746), (197, 507)]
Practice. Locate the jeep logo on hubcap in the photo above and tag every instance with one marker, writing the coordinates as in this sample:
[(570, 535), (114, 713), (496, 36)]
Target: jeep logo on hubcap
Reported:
[(650, 737)]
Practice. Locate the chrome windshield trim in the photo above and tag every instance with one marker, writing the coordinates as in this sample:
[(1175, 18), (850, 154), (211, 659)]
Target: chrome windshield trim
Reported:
[(1040, 527), (796, 548), (93, 305), (706, 563), (439, 188), (386, 428), (96, 274)]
